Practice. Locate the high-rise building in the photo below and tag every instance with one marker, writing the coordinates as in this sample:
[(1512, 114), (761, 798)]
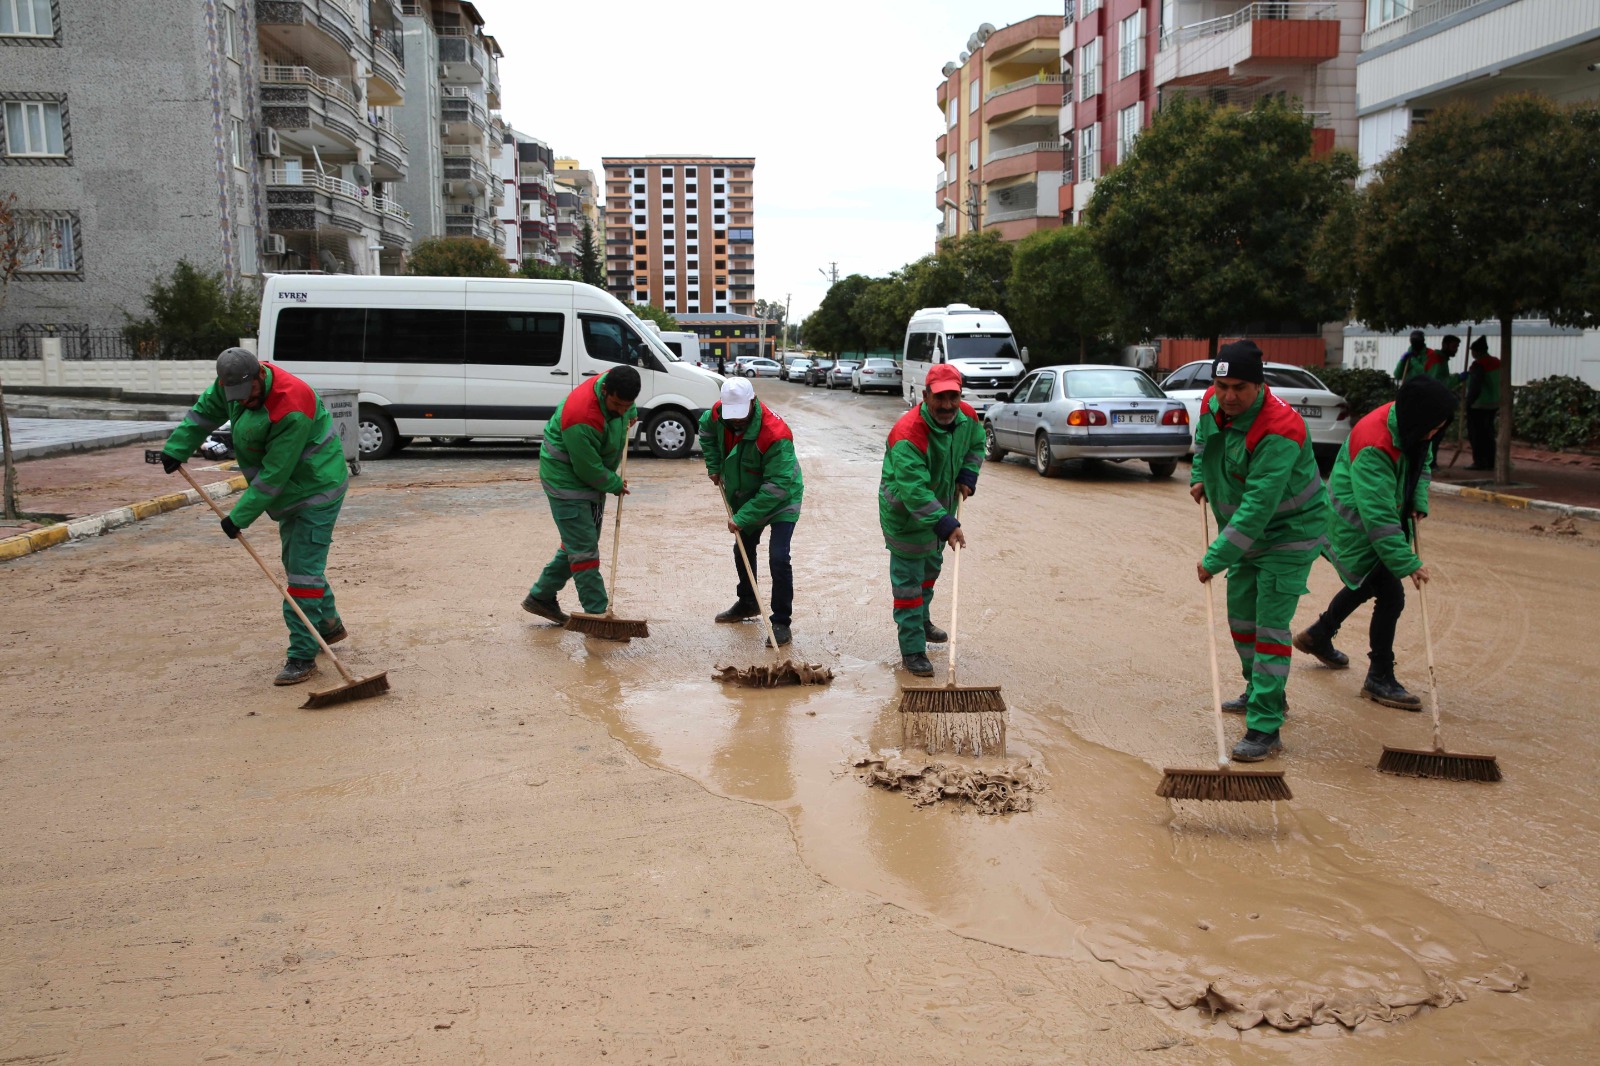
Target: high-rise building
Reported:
[(680, 232), (575, 204), (243, 137), (536, 197)]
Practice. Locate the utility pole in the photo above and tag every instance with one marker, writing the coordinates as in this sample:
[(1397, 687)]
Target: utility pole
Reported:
[(786, 297), (832, 273)]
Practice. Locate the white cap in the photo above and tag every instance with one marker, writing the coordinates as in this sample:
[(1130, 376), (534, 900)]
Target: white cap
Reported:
[(737, 395)]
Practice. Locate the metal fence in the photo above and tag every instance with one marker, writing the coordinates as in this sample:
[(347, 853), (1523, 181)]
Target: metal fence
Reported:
[(77, 343)]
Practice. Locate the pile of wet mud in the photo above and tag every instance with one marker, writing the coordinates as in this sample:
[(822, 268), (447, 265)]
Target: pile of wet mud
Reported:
[(775, 675), (998, 791)]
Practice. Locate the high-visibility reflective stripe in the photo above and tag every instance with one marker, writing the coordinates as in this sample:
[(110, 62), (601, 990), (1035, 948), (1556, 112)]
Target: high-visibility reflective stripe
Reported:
[(547, 449), (305, 594), (790, 511), (1227, 510), (929, 509), (1271, 669), (774, 489), (1284, 650), (572, 494), (1242, 625), (195, 418), (266, 488), (1314, 544), (1237, 538), (1377, 533), (250, 472), (1275, 636), (591, 564), (312, 501), (307, 580), (904, 592), (906, 605), (906, 547), (1350, 579), (314, 448), (583, 556), (1303, 497), (1346, 513), (888, 497)]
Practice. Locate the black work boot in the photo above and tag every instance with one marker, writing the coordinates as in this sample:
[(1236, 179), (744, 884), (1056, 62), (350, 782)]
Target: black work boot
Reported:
[(934, 634), (334, 633), (1236, 705), (1381, 687), (1256, 746), (295, 671), (917, 662), (544, 609), (780, 633), (739, 612), (1319, 644)]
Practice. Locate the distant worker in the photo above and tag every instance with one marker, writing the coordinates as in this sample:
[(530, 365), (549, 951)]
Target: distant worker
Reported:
[(749, 455), (1483, 404), (1420, 359), (578, 459), (1255, 466), (1379, 489), (284, 441), (930, 463)]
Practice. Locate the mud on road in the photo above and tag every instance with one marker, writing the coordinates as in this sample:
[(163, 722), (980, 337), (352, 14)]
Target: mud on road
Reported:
[(528, 850)]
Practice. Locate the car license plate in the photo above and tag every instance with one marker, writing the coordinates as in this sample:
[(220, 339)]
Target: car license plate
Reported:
[(1145, 418), (1308, 412)]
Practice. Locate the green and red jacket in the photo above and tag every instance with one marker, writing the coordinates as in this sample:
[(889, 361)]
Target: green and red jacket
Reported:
[(1483, 383), (286, 448), (1261, 480), (583, 444), (922, 465), (760, 473), (1365, 487), (1429, 361)]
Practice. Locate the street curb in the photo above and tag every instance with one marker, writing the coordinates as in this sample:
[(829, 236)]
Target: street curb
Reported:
[(116, 440), (68, 411), (1519, 503), (93, 526)]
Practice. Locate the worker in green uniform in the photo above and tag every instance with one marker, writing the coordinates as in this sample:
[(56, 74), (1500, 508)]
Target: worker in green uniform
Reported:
[(932, 459), (1378, 489), (578, 459), (1254, 464), (1483, 405), (749, 456), (284, 440), (1419, 359)]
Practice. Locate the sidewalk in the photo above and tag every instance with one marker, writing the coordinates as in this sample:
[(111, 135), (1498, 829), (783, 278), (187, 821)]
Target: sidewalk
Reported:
[(1564, 478)]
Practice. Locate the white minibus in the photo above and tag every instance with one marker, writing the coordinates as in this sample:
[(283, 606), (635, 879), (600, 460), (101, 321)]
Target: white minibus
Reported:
[(978, 343)]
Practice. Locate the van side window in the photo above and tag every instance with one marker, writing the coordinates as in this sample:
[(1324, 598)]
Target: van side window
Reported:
[(612, 340), (515, 338), (414, 335), (319, 334)]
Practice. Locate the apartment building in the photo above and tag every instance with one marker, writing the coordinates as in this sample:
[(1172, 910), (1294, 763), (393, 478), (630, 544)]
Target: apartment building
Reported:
[(536, 197), (244, 137), (576, 203), (1001, 152), (1416, 57), (452, 122), (680, 232)]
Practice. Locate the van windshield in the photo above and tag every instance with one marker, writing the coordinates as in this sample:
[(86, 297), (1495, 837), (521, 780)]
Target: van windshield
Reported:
[(981, 346)]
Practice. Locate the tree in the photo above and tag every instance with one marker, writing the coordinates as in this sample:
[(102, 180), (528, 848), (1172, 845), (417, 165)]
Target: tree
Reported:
[(191, 315), (457, 257), (1485, 215), (589, 269), (881, 312), (16, 251), (656, 315), (532, 268), (1208, 225), (832, 327), (974, 268), (1059, 297), (772, 315)]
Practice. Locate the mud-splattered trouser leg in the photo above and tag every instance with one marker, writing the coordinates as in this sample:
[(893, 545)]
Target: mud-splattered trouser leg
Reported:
[(780, 563), (912, 578), (305, 538), (1261, 606), (578, 559)]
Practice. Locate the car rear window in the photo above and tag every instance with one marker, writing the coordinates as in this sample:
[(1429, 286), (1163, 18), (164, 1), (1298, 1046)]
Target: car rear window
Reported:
[(1109, 385), (1280, 378)]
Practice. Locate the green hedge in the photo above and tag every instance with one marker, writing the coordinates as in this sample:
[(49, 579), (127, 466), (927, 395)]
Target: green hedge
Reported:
[(1362, 389), (1557, 413)]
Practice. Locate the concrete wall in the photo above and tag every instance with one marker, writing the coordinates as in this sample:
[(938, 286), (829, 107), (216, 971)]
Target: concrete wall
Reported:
[(418, 121), (174, 376), (1537, 350)]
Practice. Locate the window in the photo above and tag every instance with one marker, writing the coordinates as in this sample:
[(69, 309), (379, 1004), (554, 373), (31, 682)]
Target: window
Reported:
[(1130, 39), (1128, 122), (666, 172), (236, 142), (972, 154), (35, 127), (26, 18), (639, 220), (228, 30), (1378, 11), (1089, 69), (413, 335), (515, 338), (691, 188), (694, 294), (719, 203), (692, 219), (1088, 6), (320, 334), (245, 241), (719, 220), (722, 264), (974, 94), (717, 173), (1089, 153), (719, 188), (1043, 386), (954, 113), (638, 172), (694, 249), (950, 169), (610, 339), (742, 235), (640, 204), (47, 242), (667, 203), (694, 264)]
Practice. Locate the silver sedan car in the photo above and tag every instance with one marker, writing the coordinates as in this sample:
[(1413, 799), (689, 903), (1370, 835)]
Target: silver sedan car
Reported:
[(1089, 411)]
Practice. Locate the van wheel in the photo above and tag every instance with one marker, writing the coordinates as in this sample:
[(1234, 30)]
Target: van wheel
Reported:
[(669, 435), (992, 450), (1163, 468), (1044, 460), (376, 438)]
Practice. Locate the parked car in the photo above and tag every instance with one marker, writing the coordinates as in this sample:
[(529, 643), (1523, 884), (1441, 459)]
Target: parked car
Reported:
[(842, 374), (760, 368), (817, 372), (737, 366), (1089, 411), (795, 369), (1326, 413), (876, 374)]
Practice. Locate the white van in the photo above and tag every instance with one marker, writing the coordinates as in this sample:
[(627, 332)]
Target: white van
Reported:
[(472, 357), (685, 345), (978, 343)]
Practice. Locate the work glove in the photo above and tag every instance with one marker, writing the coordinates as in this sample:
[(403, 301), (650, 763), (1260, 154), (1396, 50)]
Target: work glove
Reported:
[(230, 529), (169, 464)]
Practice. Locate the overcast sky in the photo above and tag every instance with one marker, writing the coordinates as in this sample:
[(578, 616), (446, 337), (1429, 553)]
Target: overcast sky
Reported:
[(835, 100)]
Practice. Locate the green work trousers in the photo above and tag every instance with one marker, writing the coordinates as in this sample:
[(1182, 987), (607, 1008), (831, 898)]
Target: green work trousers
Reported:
[(578, 516), (1261, 603), (912, 579), (305, 537)]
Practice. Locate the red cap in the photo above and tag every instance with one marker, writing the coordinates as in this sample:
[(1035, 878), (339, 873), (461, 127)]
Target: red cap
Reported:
[(943, 378)]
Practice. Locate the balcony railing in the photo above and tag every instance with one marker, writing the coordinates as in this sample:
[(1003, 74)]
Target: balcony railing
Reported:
[(1426, 14), (273, 74), (310, 179), (1011, 216), (1025, 83), (387, 128), (1023, 149), (1257, 12), (389, 209)]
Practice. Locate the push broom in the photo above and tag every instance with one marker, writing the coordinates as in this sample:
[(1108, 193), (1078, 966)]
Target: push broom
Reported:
[(953, 717), (608, 626), (1449, 765), (1224, 783), (778, 672), (354, 688)]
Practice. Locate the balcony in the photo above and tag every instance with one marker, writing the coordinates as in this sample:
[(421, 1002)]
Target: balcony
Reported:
[(393, 220), (393, 156), (304, 201), (1022, 159), (1041, 91), (1426, 14), (462, 163), (461, 56), (310, 28), (386, 83), (465, 116), (1249, 45), (298, 98), (466, 222)]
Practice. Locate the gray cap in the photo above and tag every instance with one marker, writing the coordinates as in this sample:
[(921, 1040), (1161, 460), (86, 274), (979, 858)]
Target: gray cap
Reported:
[(237, 369)]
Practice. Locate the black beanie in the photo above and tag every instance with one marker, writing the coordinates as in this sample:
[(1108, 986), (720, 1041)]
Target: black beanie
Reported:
[(1241, 360), (1422, 403)]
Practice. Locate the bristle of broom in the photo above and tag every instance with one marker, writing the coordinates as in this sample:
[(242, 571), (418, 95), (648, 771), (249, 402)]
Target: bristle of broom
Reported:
[(953, 699), (1228, 786), (607, 628), (1446, 765), (964, 732), (376, 685)]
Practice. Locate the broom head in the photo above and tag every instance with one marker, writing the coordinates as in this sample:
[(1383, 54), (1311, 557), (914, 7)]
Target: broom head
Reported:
[(1227, 785), (359, 689), (968, 719), (773, 675), (1448, 765), (607, 626)]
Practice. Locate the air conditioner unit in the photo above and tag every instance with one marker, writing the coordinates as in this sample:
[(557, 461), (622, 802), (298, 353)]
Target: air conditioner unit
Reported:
[(449, 188), (267, 145), (272, 244)]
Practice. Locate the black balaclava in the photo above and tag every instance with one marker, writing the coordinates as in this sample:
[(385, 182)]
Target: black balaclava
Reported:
[(1421, 404)]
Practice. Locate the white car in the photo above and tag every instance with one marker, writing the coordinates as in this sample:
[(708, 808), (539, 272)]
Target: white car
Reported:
[(876, 374), (1326, 413), (758, 368)]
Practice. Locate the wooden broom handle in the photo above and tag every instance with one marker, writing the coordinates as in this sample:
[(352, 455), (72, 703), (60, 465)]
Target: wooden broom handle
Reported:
[(1427, 641), (1211, 637), (750, 572), (616, 529), (282, 591), (955, 594)]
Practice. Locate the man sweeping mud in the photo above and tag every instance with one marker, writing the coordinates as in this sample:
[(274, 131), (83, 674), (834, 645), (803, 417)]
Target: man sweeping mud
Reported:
[(583, 443), (1253, 462), (284, 440), (931, 462), (749, 455)]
